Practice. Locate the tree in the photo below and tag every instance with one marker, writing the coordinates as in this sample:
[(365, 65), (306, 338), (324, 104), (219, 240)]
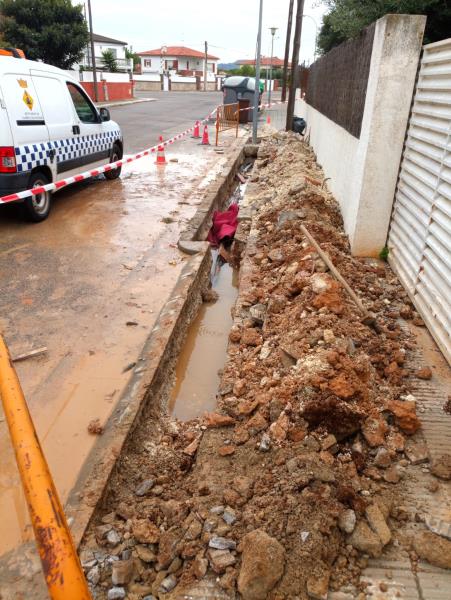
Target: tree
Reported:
[(327, 37), (53, 31), (109, 61), (348, 17), (136, 59)]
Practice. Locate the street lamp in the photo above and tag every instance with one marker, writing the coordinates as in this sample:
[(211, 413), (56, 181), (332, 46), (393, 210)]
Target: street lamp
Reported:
[(316, 34), (273, 32)]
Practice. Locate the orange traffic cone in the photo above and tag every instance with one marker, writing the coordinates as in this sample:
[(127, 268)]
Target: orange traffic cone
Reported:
[(205, 141), (196, 132), (268, 120), (161, 158)]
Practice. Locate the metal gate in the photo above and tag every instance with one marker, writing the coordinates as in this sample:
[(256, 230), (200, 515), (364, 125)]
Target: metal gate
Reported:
[(420, 231)]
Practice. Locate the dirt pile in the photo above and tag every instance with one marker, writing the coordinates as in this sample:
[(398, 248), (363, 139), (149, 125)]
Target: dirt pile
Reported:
[(287, 489)]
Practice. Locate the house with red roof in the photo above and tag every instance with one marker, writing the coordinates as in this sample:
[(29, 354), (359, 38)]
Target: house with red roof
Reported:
[(265, 62), (177, 59)]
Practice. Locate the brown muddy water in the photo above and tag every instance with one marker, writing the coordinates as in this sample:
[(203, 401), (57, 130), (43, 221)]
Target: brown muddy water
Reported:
[(205, 349)]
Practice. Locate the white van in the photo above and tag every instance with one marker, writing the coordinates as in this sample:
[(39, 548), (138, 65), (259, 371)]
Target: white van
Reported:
[(49, 130)]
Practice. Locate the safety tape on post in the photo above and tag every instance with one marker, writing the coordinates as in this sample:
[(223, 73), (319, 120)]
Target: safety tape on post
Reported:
[(57, 185)]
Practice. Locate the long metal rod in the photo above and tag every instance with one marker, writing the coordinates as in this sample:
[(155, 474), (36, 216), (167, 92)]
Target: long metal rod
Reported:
[(287, 52), (295, 64), (62, 570), (270, 71), (257, 76), (93, 56), (205, 66)]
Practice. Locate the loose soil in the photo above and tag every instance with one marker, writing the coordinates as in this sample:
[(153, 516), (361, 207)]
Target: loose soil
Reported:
[(287, 489)]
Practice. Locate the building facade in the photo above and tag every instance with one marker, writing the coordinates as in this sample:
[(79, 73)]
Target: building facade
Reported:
[(177, 59), (102, 43)]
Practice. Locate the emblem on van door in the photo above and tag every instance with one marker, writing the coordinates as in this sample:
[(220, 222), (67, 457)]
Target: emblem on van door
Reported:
[(28, 100), (22, 83)]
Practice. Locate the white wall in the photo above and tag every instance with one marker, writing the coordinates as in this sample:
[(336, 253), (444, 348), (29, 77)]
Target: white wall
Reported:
[(363, 172), (181, 79), (336, 151), (147, 77), (113, 77), (184, 63), (154, 66), (100, 47)]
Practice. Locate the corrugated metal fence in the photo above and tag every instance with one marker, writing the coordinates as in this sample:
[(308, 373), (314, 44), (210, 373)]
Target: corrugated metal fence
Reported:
[(420, 233)]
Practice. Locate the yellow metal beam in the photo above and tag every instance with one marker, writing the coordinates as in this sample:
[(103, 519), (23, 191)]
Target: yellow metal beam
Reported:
[(63, 572)]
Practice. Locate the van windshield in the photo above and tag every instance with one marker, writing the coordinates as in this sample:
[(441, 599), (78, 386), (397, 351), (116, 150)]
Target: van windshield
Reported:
[(85, 111)]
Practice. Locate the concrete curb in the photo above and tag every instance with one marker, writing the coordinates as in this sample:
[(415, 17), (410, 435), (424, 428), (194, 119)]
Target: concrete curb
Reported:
[(125, 102), (198, 226)]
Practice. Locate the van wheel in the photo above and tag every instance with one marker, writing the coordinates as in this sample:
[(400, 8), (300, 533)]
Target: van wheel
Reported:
[(116, 154), (37, 207)]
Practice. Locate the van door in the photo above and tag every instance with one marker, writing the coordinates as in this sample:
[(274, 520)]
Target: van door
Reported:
[(57, 113), (27, 121), (94, 142)]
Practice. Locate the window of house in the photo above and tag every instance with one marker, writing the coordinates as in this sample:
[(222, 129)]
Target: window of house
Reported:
[(148, 63), (114, 51)]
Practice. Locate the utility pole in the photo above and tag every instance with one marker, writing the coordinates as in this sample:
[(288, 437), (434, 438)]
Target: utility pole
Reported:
[(93, 57), (294, 64), (257, 76), (287, 52), (205, 66)]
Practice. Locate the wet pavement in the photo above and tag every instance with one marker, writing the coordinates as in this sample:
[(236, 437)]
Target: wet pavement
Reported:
[(88, 284)]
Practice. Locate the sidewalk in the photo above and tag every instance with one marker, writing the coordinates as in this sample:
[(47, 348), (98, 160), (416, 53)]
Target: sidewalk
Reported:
[(124, 102)]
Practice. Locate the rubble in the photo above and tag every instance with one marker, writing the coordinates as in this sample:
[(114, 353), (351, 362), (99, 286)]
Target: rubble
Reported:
[(433, 548), (262, 565), (286, 488)]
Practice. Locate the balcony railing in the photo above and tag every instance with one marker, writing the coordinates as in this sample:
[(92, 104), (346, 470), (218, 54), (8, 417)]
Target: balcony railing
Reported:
[(123, 64)]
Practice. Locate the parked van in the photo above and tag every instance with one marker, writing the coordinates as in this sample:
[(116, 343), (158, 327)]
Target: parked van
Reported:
[(49, 130)]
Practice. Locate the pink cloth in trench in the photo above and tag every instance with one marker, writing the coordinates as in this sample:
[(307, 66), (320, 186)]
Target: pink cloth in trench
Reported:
[(224, 224)]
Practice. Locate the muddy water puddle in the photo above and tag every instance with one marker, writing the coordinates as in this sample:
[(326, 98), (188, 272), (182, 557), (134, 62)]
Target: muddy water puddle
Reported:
[(205, 349)]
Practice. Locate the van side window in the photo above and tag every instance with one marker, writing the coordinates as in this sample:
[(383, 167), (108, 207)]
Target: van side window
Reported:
[(85, 111)]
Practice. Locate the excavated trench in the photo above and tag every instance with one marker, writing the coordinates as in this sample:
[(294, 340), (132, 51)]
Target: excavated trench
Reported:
[(199, 366)]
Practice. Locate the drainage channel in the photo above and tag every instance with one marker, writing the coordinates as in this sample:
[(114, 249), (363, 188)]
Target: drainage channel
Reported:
[(203, 355)]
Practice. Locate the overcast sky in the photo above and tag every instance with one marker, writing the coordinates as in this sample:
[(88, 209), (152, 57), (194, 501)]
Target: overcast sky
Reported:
[(230, 27)]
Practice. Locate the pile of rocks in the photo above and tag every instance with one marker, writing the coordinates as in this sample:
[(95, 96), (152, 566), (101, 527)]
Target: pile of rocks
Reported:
[(289, 488)]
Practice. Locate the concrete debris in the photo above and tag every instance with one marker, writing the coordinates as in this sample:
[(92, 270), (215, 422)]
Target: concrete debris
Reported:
[(365, 540), (116, 593), (122, 572), (318, 587), (144, 487), (347, 520), (433, 548), (290, 483), (262, 565), (441, 467), (168, 584), (378, 524), (220, 543), (438, 526)]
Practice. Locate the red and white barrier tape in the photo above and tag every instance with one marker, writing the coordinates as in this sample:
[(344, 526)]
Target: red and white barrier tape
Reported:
[(268, 105), (57, 185)]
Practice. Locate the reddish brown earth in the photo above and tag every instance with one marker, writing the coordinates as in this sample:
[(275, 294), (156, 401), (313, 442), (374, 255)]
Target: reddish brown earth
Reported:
[(292, 483)]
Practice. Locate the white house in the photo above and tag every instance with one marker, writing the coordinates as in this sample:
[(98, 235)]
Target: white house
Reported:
[(102, 43), (177, 59)]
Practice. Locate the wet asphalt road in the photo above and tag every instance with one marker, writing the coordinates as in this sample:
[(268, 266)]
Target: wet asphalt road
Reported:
[(106, 257), (171, 113)]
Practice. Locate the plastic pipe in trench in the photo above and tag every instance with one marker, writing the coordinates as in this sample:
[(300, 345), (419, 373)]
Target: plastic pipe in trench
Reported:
[(63, 573)]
